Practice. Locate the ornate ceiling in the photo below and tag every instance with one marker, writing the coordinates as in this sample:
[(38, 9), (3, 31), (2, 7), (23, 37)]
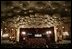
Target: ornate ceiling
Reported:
[(36, 12)]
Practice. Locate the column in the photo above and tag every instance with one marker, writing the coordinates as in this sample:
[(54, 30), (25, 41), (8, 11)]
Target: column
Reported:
[(55, 33), (1, 33), (18, 32)]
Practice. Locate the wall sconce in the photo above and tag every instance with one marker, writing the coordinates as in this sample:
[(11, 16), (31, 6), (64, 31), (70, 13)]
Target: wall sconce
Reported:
[(5, 28), (62, 27), (12, 29), (65, 33), (5, 35)]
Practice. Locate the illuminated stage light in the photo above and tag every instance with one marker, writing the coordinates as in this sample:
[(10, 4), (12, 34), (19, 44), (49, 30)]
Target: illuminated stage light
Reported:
[(38, 35), (23, 33), (48, 32)]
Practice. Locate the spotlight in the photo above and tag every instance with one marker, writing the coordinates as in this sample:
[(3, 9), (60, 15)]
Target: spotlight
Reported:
[(23, 33), (48, 32)]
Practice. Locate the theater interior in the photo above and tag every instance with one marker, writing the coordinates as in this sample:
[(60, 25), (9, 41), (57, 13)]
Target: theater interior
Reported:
[(35, 24)]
